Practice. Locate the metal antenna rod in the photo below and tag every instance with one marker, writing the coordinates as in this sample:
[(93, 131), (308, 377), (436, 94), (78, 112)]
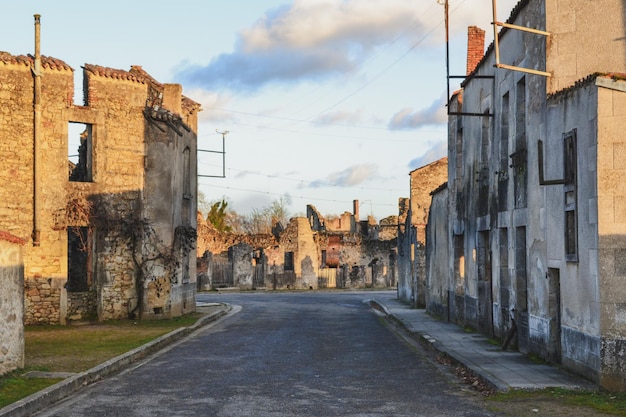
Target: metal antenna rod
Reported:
[(224, 133)]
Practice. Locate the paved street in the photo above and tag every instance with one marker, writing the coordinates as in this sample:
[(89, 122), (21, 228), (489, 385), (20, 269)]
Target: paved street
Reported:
[(282, 354)]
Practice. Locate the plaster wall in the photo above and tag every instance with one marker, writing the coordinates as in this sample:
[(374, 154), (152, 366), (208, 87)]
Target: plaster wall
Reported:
[(438, 277), (610, 253), (507, 231), (586, 37), (406, 241), (11, 305)]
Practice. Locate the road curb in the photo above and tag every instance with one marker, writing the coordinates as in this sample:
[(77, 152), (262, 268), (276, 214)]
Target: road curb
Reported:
[(54, 393), (485, 377)]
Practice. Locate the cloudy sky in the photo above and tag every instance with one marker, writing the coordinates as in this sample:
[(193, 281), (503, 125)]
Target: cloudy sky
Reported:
[(324, 101)]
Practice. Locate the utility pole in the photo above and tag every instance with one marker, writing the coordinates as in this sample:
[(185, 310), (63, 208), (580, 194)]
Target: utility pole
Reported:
[(223, 152)]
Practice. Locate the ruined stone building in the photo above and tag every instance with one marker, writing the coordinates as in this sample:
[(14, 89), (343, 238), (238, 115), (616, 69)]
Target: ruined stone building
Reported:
[(109, 232), (412, 230), (309, 253), (535, 228)]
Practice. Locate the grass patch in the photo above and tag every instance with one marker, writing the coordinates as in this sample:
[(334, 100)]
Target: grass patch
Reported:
[(14, 387), (494, 342), (76, 348), (79, 347), (536, 359), (604, 402)]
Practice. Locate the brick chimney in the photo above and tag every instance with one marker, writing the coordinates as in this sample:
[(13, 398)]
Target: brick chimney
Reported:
[(172, 98), (475, 47), (355, 210)]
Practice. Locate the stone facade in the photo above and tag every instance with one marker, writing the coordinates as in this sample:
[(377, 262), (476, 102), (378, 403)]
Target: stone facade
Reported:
[(11, 303), (534, 233), (130, 192)]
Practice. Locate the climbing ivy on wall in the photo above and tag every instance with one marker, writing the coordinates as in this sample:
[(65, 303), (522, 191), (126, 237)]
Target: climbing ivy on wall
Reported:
[(153, 259)]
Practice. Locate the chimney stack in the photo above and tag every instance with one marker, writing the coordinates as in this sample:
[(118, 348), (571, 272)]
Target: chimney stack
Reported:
[(355, 209), (475, 47), (172, 98)]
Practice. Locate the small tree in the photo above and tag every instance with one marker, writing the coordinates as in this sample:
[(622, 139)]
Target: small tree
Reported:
[(261, 221), (277, 212), (218, 216)]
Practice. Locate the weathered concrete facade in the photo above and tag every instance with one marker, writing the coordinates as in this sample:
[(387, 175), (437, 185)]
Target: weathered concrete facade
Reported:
[(534, 230), (412, 235), (93, 231), (309, 253), (11, 303), (436, 252)]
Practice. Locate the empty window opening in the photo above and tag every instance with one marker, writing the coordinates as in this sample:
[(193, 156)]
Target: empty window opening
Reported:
[(289, 261), (519, 163), (504, 278), (78, 259), (483, 175), (571, 196), (519, 158), (459, 158), (503, 172), (80, 152), (520, 114), (521, 279), (187, 173), (459, 264)]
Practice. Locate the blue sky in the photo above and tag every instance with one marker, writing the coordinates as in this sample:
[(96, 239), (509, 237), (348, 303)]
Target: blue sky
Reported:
[(325, 101)]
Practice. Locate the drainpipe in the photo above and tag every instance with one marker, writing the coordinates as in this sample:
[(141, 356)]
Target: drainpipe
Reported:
[(37, 135)]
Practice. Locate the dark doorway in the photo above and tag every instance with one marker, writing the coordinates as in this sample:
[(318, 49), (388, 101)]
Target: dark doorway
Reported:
[(554, 307), (521, 289), (78, 259), (485, 298)]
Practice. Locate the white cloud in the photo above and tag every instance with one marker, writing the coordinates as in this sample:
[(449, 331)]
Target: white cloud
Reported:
[(409, 119), (330, 23), (310, 40), (349, 177), (438, 150)]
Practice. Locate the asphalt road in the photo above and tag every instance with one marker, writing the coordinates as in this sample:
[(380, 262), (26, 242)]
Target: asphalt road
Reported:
[(283, 354)]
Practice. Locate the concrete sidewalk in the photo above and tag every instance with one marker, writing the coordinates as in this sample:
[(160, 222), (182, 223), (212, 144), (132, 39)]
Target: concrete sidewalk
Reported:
[(39, 400), (504, 370)]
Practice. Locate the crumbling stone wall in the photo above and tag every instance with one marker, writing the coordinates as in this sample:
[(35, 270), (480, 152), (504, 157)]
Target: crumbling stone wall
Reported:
[(411, 254), (115, 109), (352, 259), (42, 301), (11, 303), (82, 306), (243, 269)]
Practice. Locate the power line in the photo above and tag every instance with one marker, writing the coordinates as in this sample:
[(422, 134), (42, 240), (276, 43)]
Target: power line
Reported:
[(301, 181), (301, 197), (377, 76), (362, 87), (387, 46), (387, 139), (313, 122)]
